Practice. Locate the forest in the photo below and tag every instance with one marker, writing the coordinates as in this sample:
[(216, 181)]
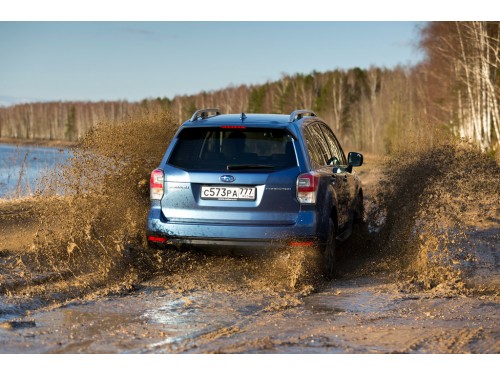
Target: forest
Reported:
[(455, 90)]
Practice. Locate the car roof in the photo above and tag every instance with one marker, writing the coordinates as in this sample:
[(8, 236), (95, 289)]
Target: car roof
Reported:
[(251, 119), (236, 119)]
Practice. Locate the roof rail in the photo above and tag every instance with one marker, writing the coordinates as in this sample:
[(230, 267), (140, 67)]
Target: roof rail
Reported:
[(298, 114), (203, 113)]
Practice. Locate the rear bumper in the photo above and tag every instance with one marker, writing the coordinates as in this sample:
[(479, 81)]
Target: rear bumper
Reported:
[(255, 238)]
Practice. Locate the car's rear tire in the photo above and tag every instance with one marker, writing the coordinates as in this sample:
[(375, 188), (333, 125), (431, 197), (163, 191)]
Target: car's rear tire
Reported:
[(329, 263)]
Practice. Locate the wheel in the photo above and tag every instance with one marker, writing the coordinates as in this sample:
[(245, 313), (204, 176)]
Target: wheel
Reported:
[(329, 252)]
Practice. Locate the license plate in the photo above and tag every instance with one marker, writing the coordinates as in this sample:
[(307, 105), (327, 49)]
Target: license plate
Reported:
[(228, 193)]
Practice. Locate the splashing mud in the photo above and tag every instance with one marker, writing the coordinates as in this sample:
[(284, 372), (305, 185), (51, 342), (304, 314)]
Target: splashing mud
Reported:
[(91, 215), (433, 221)]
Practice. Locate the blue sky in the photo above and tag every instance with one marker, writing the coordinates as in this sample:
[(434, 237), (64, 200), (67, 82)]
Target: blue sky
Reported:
[(136, 60)]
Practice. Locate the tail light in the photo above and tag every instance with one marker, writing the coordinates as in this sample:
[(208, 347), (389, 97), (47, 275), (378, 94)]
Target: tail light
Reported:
[(156, 184), (307, 186), (157, 239)]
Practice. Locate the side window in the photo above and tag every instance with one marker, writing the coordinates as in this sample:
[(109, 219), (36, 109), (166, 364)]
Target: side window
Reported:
[(321, 143), (312, 149), (317, 145), (338, 157)]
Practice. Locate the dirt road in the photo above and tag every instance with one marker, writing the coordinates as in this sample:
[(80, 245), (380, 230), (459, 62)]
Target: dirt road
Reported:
[(354, 315), (198, 303)]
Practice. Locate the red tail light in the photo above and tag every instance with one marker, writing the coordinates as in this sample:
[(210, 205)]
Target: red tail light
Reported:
[(156, 184), (307, 186), (157, 239)]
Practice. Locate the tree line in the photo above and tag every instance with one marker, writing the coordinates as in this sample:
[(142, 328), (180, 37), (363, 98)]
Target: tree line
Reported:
[(455, 88)]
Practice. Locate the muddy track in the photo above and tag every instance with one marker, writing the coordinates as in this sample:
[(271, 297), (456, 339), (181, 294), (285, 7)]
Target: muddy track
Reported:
[(355, 315)]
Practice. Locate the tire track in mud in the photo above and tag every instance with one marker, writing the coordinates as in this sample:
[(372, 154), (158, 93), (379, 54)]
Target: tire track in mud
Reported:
[(443, 343), (243, 290), (357, 315)]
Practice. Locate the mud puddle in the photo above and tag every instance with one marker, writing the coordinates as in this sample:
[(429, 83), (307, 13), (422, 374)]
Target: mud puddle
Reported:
[(355, 315)]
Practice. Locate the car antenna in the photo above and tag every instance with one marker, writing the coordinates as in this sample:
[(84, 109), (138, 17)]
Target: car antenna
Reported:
[(243, 116)]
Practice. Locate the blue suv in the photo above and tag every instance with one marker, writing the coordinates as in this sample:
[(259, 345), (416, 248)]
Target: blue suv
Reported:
[(255, 181)]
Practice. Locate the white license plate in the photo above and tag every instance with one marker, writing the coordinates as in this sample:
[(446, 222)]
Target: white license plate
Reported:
[(228, 193)]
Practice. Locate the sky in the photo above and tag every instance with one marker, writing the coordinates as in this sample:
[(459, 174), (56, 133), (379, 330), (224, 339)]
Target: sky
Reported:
[(136, 60), (132, 50)]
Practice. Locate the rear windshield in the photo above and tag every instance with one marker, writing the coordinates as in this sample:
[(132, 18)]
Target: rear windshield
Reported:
[(222, 149)]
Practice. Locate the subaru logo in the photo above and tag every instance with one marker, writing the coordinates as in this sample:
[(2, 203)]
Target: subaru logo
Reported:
[(227, 178)]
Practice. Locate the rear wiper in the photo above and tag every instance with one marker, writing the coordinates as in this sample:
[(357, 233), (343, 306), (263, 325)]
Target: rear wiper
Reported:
[(248, 166)]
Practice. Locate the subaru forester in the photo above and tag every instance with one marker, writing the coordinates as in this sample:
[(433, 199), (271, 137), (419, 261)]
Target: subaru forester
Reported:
[(255, 181)]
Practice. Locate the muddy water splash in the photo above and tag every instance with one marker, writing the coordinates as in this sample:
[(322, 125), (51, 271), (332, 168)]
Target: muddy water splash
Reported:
[(96, 227), (437, 204)]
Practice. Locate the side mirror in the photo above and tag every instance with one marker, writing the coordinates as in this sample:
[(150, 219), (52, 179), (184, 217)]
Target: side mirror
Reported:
[(355, 159)]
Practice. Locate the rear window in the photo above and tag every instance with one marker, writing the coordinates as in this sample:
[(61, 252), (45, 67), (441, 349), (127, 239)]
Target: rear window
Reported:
[(222, 149)]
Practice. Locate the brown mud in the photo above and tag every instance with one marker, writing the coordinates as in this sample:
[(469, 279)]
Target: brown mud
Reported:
[(420, 275)]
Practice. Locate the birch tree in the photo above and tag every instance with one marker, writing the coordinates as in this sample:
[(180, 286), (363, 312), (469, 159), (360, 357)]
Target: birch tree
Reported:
[(471, 52)]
